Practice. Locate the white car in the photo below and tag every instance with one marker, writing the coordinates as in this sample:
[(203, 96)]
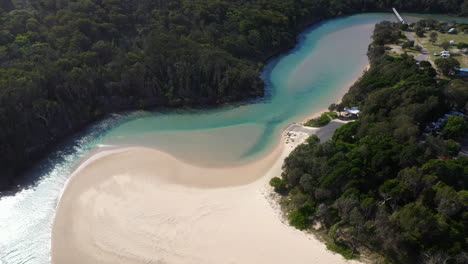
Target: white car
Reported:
[(436, 54)]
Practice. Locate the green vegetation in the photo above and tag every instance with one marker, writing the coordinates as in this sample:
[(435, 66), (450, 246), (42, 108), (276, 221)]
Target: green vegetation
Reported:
[(299, 219), (447, 66), (420, 32), (403, 27), (445, 45), (379, 184), (455, 128), (434, 36), (342, 249), (457, 93), (408, 44), (323, 120), (451, 148), (64, 64), (278, 184), (462, 45), (437, 39)]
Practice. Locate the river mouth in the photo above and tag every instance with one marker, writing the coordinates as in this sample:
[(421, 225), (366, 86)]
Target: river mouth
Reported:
[(300, 82), (304, 81)]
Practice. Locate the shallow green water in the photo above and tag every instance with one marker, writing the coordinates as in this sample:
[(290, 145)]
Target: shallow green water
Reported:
[(326, 60)]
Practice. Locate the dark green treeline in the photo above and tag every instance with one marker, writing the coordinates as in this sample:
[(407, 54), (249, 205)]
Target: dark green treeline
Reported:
[(380, 184), (64, 64)]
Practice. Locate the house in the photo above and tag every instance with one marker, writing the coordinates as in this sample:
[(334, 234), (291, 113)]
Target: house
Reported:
[(452, 31), (435, 127), (353, 111)]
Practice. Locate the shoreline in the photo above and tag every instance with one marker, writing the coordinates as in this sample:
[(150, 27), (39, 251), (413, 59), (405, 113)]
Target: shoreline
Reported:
[(340, 95), (87, 193), (98, 183), (83, 224), (12, 187)]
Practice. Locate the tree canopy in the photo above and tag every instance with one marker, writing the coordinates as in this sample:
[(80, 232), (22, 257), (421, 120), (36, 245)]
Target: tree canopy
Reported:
[(64, 64), (380, 183)]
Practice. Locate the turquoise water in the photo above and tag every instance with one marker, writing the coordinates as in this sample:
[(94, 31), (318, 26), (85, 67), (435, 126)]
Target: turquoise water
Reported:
[(304, 81), (327, 59)]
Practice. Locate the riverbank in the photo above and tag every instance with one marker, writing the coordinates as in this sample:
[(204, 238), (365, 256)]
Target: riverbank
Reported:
[(27, 236), (140, 205), (116, 209), (339, 97)]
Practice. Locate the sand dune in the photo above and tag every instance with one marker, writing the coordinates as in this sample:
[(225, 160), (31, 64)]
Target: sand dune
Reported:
[(144, 206)]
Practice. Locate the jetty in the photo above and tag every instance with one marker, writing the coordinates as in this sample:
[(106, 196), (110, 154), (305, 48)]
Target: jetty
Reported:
[(400, 18)]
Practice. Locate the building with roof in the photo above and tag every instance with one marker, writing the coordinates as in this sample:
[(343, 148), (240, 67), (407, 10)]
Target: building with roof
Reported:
[(354, 111), (452, 31), (461, 72)]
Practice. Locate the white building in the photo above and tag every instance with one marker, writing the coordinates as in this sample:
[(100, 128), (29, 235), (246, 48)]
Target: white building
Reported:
[(352, 111), (452, 31)]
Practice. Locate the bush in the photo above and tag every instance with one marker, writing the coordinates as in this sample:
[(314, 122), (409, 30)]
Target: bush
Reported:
[(313, 140), (434, 37), (321, 121), (404, 27), (342, 249), (451, 148), (408, 44), (425, 64), (419, 32), (462, 45), (278, 184), (456, 127), (447, 66), (300, 218), (445, 45)]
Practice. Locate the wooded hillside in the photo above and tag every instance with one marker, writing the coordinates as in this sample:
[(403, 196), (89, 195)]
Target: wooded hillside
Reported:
[(380, 183)]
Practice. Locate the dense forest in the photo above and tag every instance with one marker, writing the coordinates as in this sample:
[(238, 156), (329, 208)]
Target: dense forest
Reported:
[(66, 63), (381, 183)]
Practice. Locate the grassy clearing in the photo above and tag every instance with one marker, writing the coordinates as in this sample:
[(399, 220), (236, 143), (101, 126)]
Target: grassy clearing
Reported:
[(458, 38), (321, 121)]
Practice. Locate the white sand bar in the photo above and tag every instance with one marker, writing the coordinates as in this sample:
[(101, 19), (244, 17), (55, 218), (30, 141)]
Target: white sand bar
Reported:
[(144, 206)]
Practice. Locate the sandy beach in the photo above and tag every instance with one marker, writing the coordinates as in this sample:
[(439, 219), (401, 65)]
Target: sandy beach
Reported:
[(141, 205)]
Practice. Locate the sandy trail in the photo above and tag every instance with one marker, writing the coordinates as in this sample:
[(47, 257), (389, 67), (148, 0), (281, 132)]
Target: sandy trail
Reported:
[(144, 206)]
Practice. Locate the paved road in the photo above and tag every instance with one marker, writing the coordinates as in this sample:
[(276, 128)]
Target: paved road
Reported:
[(424, 54), (324, 133)]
